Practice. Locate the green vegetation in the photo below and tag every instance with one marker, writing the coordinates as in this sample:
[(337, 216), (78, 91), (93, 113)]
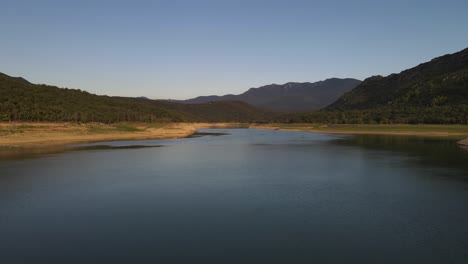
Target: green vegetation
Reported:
[(448, 114), (457, 130), (23, 101), (435, 92), (122, 127), (9, 131)]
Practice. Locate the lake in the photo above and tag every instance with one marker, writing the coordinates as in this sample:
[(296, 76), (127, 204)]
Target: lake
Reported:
[(249, 196)]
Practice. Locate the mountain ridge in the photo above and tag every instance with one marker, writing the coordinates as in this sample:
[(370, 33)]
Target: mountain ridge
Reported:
[(427, 84), (433, 92), (290, 96), (21, 100)]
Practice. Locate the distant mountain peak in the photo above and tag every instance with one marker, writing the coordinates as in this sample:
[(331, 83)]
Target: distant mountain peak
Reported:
[(17, 78), (290, 96)]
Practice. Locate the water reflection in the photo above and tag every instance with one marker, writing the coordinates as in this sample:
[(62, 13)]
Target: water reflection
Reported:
[(202, 134), (428, 151), (17, 153), (253, 196)]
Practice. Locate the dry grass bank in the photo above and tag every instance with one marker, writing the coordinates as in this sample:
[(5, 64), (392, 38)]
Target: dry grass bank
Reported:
[(56, 134), (59, 134), (455, 131)]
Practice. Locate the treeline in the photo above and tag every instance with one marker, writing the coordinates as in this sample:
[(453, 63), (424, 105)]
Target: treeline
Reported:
[(23, 101), (435, 92), (44, 103), (386, 115), (432, 93), (393, 92)]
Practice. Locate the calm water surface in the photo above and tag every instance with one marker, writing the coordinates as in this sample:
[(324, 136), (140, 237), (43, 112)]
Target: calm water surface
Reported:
[(253, 196)]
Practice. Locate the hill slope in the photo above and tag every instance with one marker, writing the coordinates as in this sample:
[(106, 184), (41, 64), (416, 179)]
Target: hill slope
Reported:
[(21, 100), (290, 96), (441, 82), (435, 92)]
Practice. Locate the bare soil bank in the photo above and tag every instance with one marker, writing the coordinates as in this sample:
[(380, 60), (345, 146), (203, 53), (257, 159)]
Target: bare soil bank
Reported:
[(58, 134), (455, 131), (463, 142)]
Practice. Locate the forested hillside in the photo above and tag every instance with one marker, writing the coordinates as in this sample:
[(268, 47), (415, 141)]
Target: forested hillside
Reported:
[(24, 101), (433, 92), (442, 81)]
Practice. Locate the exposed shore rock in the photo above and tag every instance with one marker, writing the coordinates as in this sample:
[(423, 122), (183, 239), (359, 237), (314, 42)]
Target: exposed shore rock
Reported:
[(463, 142)]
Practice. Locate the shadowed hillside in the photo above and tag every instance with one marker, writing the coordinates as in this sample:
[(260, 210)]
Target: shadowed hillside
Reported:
[(432, 92), (290, 96), (439, 83)]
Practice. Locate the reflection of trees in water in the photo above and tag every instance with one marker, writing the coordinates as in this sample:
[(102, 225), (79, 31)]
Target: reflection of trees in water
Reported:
[(24, 153), (441, 152)]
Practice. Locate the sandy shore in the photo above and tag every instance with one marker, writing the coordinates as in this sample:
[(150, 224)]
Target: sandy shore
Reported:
[(37, 135), (403, 130), (58, 134)]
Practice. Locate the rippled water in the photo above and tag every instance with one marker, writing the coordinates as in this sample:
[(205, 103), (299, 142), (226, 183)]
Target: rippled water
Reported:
[(252, 196)]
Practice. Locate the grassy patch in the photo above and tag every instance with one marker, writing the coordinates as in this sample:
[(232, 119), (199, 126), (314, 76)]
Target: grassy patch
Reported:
[(452, 129), (154, 125), (24, 127), (10, 131), (122, 127), (127, 127), (95, 129)]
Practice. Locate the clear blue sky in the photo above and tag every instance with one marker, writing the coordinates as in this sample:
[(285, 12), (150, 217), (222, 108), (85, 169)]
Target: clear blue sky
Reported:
[(181, 49)]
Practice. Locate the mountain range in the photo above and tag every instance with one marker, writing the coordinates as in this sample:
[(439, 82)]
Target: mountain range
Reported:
[(432, 92), (288, 97)]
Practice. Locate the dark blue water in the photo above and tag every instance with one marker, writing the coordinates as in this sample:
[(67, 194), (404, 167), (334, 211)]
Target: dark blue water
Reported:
[(254, 196)]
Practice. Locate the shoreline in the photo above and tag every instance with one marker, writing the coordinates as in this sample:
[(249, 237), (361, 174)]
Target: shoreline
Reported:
[(463, 143), (41, 135), (460, 131)]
